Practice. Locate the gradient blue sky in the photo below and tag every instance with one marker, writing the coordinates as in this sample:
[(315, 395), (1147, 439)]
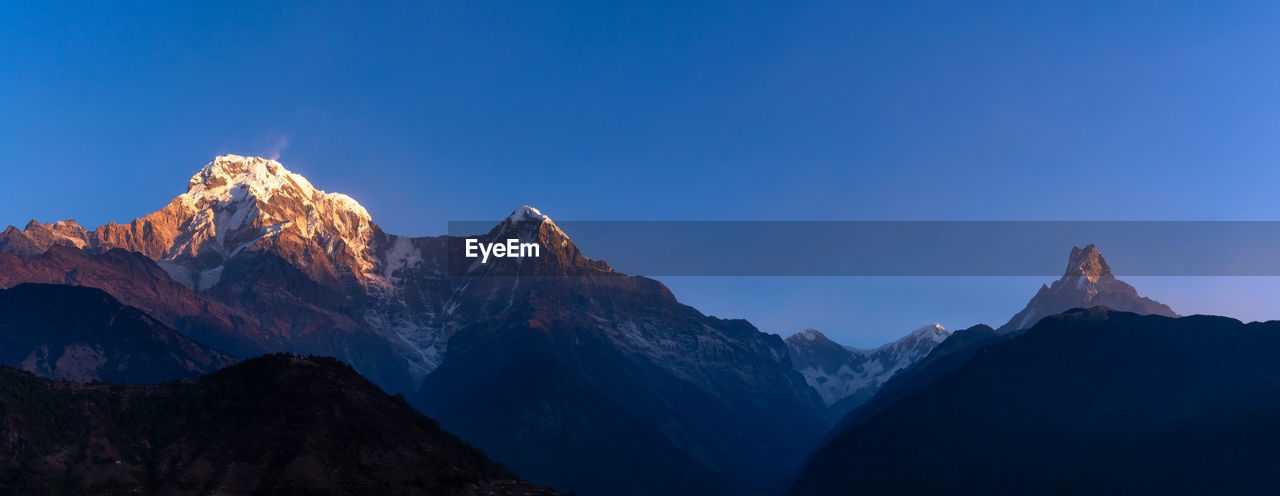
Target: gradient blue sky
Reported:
[(427, 112)]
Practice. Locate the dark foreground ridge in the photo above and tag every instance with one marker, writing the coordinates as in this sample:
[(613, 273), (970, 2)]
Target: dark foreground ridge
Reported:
[(1087, 402), (278, 424)]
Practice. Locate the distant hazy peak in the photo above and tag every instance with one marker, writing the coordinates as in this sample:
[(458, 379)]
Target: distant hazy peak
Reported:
[(809, 334), (931, 331), (845, 376)]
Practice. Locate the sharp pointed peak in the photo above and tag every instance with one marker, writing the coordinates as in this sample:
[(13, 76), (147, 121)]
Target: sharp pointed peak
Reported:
[(1087, 262), (527, 216), (1088, 249)]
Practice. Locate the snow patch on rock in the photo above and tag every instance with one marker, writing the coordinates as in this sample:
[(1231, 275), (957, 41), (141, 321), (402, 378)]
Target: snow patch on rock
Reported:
[(837, 372)]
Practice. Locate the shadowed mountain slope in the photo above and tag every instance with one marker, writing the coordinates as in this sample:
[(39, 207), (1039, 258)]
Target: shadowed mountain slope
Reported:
[(947, 356), (83, 334)]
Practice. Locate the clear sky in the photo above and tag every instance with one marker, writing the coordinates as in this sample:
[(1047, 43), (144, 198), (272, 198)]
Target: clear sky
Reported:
[(427, 112)]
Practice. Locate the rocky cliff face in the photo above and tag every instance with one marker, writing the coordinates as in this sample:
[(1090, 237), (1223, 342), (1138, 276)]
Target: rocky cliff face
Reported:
[(37, 237), (1088, 282)]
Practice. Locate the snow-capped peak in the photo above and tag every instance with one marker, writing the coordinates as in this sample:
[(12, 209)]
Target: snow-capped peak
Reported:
[(234, 203), (527, 214), (231, 178)]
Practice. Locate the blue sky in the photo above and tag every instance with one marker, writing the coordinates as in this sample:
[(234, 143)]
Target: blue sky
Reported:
[(428, 112)]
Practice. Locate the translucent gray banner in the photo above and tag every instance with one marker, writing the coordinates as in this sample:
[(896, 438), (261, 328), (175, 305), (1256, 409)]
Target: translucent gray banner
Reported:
[(919, 248)]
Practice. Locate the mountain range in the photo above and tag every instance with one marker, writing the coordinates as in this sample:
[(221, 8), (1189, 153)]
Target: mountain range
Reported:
[(570, 373), (847, 377), (1087, 279), (593, 365), (948, 425)]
